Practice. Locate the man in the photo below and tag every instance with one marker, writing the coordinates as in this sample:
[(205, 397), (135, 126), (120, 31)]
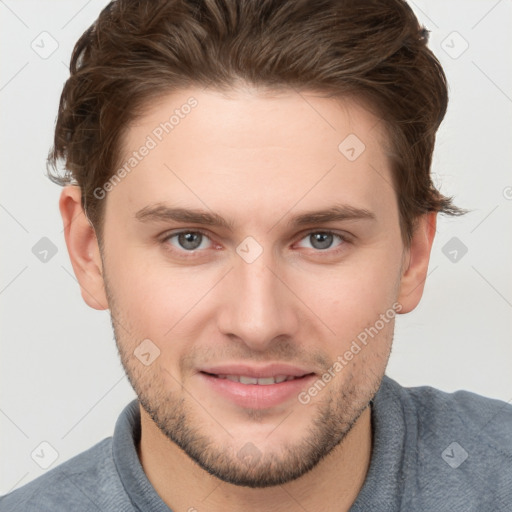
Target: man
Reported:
[(248, 192)]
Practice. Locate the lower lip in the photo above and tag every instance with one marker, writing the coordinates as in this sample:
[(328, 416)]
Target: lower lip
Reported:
[(257, 396)]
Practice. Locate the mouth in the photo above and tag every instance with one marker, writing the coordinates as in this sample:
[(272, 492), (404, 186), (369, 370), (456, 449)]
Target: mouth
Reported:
[(261, 390), (260, 381)]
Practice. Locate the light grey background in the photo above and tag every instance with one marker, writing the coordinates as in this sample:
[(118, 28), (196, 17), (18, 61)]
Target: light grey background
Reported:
[(61, 381)]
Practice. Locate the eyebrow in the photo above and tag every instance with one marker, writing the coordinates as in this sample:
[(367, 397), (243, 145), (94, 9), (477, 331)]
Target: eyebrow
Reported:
[(334, 213), (163, 213)]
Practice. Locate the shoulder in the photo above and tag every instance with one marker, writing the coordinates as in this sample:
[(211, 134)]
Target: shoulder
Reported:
[(466, 414), (459, 411), (462, 447), (86, 482)]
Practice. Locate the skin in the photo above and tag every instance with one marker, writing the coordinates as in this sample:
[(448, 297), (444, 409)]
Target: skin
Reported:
[(258, 159)]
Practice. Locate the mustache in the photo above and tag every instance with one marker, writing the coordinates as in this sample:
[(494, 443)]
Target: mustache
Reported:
[(285, 351)]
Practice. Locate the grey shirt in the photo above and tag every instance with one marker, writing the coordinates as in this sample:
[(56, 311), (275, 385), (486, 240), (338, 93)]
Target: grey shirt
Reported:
[(432, 451)]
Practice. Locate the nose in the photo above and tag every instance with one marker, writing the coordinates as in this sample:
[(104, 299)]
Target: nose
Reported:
[(258, 306)]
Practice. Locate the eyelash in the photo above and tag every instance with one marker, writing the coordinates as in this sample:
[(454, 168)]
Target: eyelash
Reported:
[(344, 239)]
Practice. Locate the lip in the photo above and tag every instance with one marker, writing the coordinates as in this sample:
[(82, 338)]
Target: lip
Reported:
[(269, 370), (256, 396)]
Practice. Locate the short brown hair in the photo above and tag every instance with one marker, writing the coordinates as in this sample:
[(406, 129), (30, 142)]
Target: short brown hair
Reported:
[(138, 50)]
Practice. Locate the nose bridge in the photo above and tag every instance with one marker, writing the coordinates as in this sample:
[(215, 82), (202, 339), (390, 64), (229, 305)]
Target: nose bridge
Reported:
[(260, 308)]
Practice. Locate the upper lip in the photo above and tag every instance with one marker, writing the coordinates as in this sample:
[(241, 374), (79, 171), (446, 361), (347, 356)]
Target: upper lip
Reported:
[(260, 372)]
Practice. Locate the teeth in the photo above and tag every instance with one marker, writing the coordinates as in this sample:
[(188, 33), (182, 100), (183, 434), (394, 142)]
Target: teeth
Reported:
[(263, 381), (248, 380)]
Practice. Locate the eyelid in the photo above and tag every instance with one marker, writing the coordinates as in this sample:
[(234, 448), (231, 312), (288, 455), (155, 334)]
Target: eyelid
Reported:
[(179, 231), (344, 237), (170, 234)]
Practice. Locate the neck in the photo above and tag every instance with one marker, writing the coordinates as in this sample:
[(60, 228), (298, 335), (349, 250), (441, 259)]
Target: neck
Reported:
[(332, 485)]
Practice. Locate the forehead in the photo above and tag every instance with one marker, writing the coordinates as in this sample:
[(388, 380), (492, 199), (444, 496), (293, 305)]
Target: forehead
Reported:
[(253, 150)]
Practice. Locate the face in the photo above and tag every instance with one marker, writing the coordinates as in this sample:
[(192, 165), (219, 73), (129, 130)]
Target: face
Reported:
[(244, 247)]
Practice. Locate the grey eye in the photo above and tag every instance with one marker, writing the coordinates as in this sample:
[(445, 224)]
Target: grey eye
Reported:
[(189, 240), (321, 240)]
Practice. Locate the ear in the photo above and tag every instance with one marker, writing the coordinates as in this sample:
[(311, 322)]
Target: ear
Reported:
[(415, 262), (83, 248)]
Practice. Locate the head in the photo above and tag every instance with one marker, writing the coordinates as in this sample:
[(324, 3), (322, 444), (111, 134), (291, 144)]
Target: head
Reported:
[(249, 184)]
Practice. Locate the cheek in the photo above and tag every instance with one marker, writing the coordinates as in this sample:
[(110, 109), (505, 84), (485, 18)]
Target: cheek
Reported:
[(353, 294), (156, 299)]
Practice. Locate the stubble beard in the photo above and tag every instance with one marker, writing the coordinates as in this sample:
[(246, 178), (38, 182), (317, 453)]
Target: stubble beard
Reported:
[(336, 412)]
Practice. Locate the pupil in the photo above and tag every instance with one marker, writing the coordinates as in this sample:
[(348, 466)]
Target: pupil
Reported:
[(190, 240), (321, 240)]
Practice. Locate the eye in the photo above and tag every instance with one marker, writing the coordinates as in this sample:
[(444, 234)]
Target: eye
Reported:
[(322, 240), (188, 240)]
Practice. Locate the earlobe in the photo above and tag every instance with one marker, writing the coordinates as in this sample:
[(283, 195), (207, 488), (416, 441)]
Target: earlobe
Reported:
[(83, 248), (416, 262)]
